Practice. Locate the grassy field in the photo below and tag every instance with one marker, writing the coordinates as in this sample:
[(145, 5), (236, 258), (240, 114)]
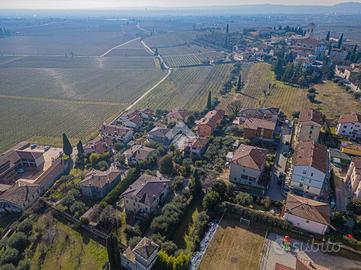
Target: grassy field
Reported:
[(332, 99), (171, 39), (66, 249), (233, 248), (188, 88)]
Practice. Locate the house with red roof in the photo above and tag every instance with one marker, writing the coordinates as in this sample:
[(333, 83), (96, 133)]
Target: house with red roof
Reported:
[(307, 214), (247, 165), (261, 129), (310, 123), (206, 126), (311, 169)]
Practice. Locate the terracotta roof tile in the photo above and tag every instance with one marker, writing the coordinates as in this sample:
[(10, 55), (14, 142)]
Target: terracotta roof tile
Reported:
[(250, 157), (311, 115), (308, 209), (311, 154), (350, 118)]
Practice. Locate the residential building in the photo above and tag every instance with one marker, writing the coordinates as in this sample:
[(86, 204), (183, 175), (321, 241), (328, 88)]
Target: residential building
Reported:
[(353, 177), (306, 214), (310, 172), (270, 114), (142, 257), (27, 171), (261, 129), (178, 115), (116, 134), (197, 146), (350, 148), (98, 146), (206, 126), (302, 264), (309, 125), (146, 194), (160, 135), (349, 125), (137, 153), (18, 197), (247, 165), (97, 184)]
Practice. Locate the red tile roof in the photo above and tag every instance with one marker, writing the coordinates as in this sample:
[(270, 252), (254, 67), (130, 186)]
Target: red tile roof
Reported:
[(250, 157), (308, 209), (100, 179), (311, 115), (350, 118), (282, 267), (311, 154), (256, 123)]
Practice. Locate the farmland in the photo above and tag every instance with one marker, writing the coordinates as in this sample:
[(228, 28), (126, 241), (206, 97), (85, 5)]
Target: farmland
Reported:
[(188, 88), (171, 39), (44, 96), (233, 248)]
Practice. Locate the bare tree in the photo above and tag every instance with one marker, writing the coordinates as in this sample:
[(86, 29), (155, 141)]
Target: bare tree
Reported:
[(234, 108)]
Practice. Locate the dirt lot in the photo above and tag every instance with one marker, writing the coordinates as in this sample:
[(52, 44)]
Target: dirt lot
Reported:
[(233, 247)]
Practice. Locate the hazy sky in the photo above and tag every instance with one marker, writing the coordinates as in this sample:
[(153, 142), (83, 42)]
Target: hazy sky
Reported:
[(81, 4)]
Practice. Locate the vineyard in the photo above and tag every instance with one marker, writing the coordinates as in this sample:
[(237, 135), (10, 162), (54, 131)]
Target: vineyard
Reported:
[(22, 119), (188, 88), (183, 60), (171, 39), (181, 50)]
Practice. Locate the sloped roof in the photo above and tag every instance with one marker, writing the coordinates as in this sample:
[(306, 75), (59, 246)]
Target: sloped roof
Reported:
[(282, 267), (179, 114), (307, 209), (308, 115), (145, 248), (250, 157), (147, 188), (159, 131), (256, 123), (350, 118), (99, 179), (303, 264), (311, 154), (138, 151), (18, 194)]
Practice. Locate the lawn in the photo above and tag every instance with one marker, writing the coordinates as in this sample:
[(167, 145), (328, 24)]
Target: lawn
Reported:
[(66, 249), (233, 247)]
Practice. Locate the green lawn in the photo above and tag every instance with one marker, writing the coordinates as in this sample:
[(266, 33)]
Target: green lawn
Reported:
[(64, 248)]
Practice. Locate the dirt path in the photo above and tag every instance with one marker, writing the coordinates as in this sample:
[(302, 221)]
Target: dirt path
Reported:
[(118, 46)]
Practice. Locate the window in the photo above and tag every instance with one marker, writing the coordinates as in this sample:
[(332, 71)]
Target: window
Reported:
[(307, 221), (301, 185), (311, 174), (304, 172), (308, 187)]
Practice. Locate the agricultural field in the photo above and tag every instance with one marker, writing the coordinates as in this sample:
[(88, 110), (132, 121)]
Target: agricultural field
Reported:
[(233, 247), (188, 88), (171, 39), (61, 37), (183, 60), (67, 248), (22, 118)]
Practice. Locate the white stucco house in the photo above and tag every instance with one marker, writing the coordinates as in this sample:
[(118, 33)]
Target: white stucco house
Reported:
[(306, 214), (349, 125), (311, 169), (247, 165)]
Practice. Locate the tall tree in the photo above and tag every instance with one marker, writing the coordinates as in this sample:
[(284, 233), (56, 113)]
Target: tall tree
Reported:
[(328, 36), (80, 148), (340, 41), (209, 101), (227, 29), (67, 148), (113, 252)]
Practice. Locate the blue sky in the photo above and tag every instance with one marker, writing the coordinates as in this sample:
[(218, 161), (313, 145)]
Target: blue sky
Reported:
[(85, 4)]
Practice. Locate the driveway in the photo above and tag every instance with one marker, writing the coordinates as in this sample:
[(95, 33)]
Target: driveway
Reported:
[(274, 253)]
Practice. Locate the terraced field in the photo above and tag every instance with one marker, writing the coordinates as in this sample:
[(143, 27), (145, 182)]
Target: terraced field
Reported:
[(188, 88)]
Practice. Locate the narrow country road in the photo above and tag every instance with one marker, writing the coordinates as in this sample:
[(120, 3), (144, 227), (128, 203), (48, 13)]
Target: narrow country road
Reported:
[(118, 46)]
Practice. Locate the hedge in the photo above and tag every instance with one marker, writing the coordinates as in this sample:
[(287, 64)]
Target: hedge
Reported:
[(132, 175)]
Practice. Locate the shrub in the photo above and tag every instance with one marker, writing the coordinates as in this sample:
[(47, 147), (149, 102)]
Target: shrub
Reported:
[(166, 165), (134, 241), (23, 265), (210, 200), (25, 226), (167, 262), (8, 266), (11, 255), (18, 241), (355, 206), (244, 199)]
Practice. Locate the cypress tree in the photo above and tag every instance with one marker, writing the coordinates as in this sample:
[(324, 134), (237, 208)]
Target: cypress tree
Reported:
[(328, 36), (113, 252), (67, 148), (209, 101), (80, 148), (340, 41)]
